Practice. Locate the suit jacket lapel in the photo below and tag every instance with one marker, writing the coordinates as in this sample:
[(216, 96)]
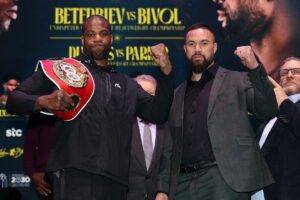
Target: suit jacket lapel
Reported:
[(218, 81), (178, 102), (260, 130), (273, 137), (158, 147), (137, 144), (276, 136)]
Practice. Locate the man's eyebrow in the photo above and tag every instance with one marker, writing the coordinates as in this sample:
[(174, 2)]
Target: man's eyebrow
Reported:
[(204, 40)]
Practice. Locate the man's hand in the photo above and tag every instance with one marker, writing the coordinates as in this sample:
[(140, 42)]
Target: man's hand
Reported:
[(40, 184), (161, 196), (161, 57), (57, 100), (279, 91), (246, 54)]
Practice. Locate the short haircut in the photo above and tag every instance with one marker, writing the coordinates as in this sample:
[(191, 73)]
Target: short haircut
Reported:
[(200, 25), (289, 59), (94, 17), (11, 76)]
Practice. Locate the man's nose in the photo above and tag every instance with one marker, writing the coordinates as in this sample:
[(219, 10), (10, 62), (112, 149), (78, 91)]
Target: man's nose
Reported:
[(290, 74), (98, 37), (198, 48)]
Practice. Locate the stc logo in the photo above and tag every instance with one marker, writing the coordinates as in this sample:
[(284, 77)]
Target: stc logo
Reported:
[(14, 132)]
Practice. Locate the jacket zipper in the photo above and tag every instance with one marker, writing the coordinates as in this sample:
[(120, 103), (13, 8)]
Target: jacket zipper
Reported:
[(108, 87)]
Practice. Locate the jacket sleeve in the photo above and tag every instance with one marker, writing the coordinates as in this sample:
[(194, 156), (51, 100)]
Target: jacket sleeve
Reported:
[(261, 100), (163, 184), (289, 114), (22, 100), (156, 109)]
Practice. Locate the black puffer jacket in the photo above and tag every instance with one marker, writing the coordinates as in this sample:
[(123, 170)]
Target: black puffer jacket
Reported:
[(98, 139)]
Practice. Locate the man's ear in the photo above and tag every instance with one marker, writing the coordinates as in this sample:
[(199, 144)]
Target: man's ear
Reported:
[(215, 47), (268, 7), (4, 86), (184, 47), (82, 41)]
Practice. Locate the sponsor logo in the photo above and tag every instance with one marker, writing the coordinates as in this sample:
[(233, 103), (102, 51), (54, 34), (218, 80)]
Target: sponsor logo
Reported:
[(14, 132), (19, 180), (3, 113), (13, 152), (117, 85), (3, 180)]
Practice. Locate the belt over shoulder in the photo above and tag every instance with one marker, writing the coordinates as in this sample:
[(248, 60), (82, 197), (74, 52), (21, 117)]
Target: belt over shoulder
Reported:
[(72, 77)]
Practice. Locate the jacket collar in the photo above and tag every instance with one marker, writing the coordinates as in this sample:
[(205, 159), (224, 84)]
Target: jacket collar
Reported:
[(88, 60)]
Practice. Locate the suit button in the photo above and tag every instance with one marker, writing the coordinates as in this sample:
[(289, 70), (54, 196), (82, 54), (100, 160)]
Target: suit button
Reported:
[(146, 177)]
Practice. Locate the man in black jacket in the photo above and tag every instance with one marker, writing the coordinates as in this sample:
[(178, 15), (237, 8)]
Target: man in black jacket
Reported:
[(280, 137), (90, 154)]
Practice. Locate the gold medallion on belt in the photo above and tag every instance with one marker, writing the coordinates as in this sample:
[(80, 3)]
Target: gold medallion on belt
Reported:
[(70, 74)]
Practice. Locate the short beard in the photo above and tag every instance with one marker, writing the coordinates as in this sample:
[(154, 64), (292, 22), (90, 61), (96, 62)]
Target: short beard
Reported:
[(200, 68), (98, 56), (249, 23), (101, 56)]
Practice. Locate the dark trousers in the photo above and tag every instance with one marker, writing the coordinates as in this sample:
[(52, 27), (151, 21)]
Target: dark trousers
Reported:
[(10, 194), (43, 197), (206, 184), (73, 184)]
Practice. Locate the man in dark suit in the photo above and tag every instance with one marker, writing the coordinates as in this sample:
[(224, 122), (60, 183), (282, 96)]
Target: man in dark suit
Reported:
[(210, 150), (280, 137), (143, 173)]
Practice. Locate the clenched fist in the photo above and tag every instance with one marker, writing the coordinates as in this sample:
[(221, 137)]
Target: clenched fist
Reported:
[(246, 54), (57, 100), (161, 57)]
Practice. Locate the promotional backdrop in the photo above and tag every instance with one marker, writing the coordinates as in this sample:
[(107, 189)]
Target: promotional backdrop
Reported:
[(52, 28)]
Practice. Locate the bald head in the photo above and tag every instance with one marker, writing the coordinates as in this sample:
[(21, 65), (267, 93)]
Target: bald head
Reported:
[(97, 39), (95, 18)]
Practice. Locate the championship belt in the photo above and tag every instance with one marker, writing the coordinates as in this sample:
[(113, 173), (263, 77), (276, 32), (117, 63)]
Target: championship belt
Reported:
[(72, 77)]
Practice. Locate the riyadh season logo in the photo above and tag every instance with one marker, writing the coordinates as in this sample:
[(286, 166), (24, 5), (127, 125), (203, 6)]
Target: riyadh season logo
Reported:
[(13, 152)]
